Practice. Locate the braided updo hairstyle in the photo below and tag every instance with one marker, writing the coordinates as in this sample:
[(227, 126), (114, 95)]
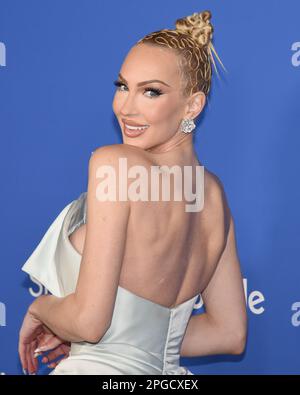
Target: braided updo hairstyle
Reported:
[(191, 39)]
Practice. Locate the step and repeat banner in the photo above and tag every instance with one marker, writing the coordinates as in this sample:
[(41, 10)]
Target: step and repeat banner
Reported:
[(58, 62)]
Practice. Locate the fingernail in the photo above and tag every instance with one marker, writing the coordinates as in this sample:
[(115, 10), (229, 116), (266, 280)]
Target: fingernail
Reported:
[(32, 373), (37, 354), (24, 371)]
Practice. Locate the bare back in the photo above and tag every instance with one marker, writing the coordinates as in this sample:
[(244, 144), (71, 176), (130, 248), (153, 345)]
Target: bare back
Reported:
[(170, 254)]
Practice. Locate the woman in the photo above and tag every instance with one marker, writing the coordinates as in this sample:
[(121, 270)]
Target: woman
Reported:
[(125, 273)]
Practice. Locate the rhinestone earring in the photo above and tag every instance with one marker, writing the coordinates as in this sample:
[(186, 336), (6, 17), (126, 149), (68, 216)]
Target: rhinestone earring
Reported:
[(187, 125)]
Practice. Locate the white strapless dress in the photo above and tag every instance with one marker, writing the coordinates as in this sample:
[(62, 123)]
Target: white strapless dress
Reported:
[(144, 337)]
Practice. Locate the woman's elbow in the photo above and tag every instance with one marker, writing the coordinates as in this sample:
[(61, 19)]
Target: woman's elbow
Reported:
[(240, 343), (92, 336), (241, 336), (92, 332)]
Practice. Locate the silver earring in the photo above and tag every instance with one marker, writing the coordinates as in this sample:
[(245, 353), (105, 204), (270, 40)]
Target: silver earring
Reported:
[(187, 125)]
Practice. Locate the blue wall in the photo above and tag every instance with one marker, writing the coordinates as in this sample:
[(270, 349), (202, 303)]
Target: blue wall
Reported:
[(58, 61)]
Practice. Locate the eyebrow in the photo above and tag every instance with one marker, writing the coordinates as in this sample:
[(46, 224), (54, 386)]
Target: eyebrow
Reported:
[(144, 82)]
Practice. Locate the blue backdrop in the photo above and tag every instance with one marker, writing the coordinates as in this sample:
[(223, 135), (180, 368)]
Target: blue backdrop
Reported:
[(58, 61)]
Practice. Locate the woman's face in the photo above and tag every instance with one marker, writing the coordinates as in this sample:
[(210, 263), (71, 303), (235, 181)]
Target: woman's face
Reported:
[(162, 111)]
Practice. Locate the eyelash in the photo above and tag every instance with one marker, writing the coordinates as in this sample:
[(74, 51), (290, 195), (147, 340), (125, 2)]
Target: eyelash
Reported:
[(157, 92)]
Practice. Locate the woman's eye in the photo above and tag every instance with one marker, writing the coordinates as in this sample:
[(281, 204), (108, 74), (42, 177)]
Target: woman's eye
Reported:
[(157, 92), (118, 84)]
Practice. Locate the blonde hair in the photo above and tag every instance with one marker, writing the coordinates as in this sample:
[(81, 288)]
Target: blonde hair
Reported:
[(191, 39)]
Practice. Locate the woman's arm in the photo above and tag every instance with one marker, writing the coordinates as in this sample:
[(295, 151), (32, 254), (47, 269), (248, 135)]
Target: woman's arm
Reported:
[(204, 337), (222, 329), (60, 315), (87, 313)]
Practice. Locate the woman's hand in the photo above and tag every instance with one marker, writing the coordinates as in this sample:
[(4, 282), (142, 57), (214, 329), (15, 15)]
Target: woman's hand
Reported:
[(34, 335), (28, 340), (49, 341)]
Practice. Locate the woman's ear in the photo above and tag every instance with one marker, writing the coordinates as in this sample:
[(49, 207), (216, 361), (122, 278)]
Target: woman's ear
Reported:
[(195, 105)]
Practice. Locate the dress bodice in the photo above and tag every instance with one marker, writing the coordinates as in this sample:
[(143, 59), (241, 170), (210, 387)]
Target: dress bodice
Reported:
[(144, 337)]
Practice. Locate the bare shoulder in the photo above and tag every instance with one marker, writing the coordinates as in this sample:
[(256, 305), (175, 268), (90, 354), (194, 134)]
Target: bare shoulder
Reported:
[(114, 162), (216, 200), (114, 152)]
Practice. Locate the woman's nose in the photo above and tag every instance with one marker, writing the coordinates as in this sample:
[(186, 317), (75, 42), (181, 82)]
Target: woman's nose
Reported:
[(129, 105)]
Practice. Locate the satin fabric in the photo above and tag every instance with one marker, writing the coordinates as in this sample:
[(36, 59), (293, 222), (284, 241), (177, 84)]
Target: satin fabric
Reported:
[(144, 337)]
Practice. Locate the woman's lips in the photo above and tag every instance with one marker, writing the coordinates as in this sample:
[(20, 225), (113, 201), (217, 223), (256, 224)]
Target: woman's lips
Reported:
[(133, 133)]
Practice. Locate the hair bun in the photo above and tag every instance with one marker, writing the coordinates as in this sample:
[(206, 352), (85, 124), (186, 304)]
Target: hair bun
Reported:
[(198, 26)]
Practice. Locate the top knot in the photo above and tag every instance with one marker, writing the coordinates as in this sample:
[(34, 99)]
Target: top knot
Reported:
[(198, 26)]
